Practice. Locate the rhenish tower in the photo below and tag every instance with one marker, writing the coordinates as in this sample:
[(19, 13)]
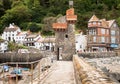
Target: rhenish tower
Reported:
[(64, 33)]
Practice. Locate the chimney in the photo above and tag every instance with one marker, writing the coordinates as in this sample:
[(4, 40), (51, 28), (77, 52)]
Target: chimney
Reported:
[(11, 26), (71, 4)]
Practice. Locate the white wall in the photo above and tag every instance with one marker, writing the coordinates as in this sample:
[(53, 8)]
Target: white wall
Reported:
[(3, 46), (81, 42)]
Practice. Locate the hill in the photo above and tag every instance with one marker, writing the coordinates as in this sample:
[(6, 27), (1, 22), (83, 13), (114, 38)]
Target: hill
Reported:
[(35, 14)]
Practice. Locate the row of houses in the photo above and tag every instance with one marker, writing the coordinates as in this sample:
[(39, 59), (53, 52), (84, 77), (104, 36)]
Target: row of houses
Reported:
[(102, 35), (13, 33)]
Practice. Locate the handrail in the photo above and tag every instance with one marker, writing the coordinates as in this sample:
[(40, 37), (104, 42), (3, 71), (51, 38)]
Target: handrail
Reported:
[(35, 73)]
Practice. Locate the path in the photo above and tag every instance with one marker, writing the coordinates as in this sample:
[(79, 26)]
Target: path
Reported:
[(63, 73)]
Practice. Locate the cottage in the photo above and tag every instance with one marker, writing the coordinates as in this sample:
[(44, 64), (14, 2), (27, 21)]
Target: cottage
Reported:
[(32, 40), (20, 38), (48, 43), (11, 32)]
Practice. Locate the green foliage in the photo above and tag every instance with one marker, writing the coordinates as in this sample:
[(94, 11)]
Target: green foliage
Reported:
[(24, 12), (14, 47), (22, 47), (118, 20), (47, 33), (34, 27), (16, 15)]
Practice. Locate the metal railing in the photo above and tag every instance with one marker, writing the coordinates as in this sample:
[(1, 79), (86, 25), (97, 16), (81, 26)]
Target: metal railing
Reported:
[(35, 73)]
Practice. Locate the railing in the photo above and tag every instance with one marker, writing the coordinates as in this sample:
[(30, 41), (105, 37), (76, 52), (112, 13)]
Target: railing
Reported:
[(35, 72)]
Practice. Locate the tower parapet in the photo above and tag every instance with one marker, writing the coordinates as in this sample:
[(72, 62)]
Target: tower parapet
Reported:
[(70, 16)]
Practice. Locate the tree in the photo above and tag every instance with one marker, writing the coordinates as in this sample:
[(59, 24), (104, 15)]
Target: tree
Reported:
[(16, 15), (34, 27)]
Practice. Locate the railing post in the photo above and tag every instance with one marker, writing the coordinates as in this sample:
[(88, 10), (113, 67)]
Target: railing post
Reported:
[(39, 70), (3, 75), (17, 74), (32, 73)]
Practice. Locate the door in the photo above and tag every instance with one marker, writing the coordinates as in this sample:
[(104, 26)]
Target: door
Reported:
[(59, 53)]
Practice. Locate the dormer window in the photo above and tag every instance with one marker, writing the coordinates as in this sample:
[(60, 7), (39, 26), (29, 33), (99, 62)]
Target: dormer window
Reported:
[(94, 23), (114, 25), (99, 23)]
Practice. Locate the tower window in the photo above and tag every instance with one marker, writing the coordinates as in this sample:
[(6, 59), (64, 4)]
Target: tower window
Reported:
[(66, 36)]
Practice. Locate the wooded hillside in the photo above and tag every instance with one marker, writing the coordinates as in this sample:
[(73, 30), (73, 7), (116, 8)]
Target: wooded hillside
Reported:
[(37, 15)]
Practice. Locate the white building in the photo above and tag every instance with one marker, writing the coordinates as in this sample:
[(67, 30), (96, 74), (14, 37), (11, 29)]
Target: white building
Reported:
[(38, 43), (3, 46), (32, 40), (48, 43), (81, 42), (20, 38), (11, 32)]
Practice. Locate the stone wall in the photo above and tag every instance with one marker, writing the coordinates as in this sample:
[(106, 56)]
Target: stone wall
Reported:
[(19, 57), (86, 74), (97, 54)]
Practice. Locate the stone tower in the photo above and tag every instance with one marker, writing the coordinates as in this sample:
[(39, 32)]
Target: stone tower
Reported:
[(65, 37)]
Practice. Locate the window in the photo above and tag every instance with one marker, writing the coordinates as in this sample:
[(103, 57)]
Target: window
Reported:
[(66, 36), (94, 23), (112, 32), (99, 23), (102, 39), (102, 31), (94, 39), (114, 25), (92, 32), (112, 39), (80, 46), (47, 47)]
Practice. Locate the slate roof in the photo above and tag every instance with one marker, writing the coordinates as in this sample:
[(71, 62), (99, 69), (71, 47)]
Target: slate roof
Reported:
[(11, 28), (48, 40), (32, 36)]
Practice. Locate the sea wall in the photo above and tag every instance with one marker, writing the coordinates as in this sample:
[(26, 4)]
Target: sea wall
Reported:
[(86, 74), (98, 54), (19, 57)]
